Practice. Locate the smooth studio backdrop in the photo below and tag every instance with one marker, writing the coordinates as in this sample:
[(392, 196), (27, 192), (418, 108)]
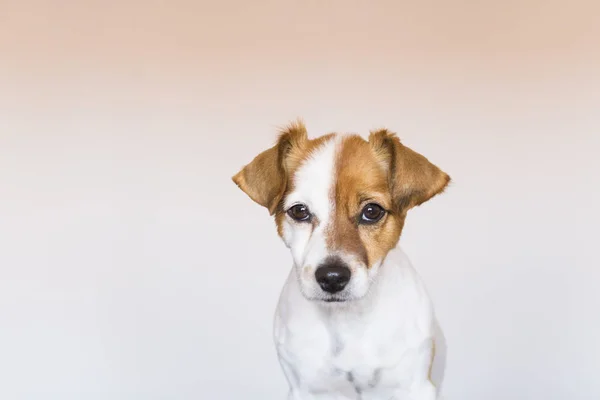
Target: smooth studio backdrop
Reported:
[(132, 268)]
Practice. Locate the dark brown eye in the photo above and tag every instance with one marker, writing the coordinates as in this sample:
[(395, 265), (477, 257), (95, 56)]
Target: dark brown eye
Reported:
[(299, 212), (371, 213)]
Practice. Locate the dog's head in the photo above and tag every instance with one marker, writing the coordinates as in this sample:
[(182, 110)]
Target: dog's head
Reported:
[(339, 203)]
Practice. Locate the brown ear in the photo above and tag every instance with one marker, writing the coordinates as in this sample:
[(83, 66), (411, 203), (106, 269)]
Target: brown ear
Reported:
[(413, 178), (264, 180)]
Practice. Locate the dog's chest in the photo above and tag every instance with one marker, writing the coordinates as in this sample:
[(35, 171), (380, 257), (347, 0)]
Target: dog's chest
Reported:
[(365, 357), (356, 363), (344, 359)]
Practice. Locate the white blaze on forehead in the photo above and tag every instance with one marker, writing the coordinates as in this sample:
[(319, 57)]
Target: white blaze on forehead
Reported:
[(313, 181)]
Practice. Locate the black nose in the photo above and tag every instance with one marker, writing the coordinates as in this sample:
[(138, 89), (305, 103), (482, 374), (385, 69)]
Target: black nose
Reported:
[(333, 276)]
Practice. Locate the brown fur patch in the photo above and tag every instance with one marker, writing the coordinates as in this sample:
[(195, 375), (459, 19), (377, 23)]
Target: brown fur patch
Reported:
[(361, 179), (381, 171)]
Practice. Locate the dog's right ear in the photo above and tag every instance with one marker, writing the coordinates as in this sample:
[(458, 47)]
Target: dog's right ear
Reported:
[(264, 180)]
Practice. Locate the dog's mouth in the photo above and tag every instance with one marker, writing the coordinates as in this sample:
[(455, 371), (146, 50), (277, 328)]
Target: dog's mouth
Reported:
[(334, 300)]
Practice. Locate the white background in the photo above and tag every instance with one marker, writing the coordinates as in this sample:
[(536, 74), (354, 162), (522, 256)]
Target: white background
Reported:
[(131, 267)]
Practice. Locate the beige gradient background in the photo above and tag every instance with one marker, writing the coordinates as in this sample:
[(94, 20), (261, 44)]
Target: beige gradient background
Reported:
[(131, 267)]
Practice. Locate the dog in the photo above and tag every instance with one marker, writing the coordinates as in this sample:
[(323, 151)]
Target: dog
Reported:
[(354, 320)]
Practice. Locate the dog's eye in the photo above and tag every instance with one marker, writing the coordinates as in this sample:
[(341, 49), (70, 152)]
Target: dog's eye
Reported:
[(299, 212), (371, 213)]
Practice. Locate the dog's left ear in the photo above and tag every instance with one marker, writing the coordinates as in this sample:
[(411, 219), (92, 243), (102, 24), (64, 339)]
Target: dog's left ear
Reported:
[(413, 178), (264, 180)]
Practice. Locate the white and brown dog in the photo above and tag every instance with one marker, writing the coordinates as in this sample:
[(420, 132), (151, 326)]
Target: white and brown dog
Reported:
[(354, 320)]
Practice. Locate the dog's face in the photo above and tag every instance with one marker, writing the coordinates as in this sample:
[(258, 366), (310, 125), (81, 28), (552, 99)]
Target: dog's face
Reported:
[(339, 203)]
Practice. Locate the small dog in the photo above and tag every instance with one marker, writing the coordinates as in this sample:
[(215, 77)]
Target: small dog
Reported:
[(354, 320)]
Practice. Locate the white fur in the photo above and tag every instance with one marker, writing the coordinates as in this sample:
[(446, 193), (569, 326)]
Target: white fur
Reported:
[(375, 346)]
